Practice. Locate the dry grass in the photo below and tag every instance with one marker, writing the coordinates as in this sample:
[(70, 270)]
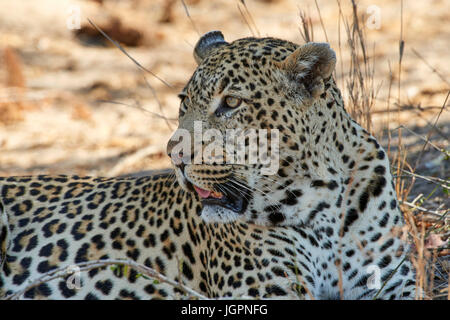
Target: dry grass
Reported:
[(430, 254)]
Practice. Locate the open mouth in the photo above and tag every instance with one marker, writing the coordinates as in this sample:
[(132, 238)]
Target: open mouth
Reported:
[(236, 200)]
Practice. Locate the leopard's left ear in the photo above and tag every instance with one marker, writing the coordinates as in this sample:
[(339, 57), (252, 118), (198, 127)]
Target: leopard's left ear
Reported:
[(206, 43), (310, 65)]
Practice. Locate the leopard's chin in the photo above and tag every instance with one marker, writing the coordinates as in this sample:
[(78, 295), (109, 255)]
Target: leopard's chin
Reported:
[(218, 214)]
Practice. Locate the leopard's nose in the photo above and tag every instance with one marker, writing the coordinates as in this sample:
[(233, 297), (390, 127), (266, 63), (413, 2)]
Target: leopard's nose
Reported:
[(177, 159)]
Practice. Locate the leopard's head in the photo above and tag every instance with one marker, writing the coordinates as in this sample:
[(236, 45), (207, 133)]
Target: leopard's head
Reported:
[(272, 94)]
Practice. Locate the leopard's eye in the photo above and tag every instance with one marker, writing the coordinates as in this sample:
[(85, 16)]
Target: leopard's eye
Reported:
[(232, 102), (227, 105)]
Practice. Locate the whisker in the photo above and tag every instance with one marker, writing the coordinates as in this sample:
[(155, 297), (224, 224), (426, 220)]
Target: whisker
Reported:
[(254, 189)]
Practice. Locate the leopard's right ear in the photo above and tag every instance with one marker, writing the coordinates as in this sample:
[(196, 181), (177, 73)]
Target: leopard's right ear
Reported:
[(310, 64), (206, 43)]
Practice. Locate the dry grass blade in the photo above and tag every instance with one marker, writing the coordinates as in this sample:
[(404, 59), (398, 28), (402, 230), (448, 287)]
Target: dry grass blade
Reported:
[(303, 284), (340, 15), (434, 180), (115, 43), (95, 264), (306, 29), (400, 58), (360, 79), (427, 141), (431, 130), (358, 29), (388, 106), (419, 158), (321, 21), (129, 160), (245, 20), (250, 17), (430, 66), (412, 205), (140, 68), (405, 108), (189, 16), (157, 101), (138, 107)]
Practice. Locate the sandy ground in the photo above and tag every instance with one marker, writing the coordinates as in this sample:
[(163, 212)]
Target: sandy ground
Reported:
[(57, 120)]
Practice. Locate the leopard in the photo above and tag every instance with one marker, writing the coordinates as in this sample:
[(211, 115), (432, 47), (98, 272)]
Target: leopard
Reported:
[(325, 224)]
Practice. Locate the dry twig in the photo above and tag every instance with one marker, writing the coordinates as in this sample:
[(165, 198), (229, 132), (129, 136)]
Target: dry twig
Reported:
[(95, 264)]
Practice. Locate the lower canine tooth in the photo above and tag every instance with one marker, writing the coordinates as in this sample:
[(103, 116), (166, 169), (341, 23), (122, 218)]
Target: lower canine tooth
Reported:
[(216, 194)]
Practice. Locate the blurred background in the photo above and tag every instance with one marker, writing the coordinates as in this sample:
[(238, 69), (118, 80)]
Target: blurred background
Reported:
[(73, 103)]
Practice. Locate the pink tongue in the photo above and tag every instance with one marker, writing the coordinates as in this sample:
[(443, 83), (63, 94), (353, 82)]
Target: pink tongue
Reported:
[(201, 192)]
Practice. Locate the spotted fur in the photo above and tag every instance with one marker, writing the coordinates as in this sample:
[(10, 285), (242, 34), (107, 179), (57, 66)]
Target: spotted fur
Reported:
[(311, 230)]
